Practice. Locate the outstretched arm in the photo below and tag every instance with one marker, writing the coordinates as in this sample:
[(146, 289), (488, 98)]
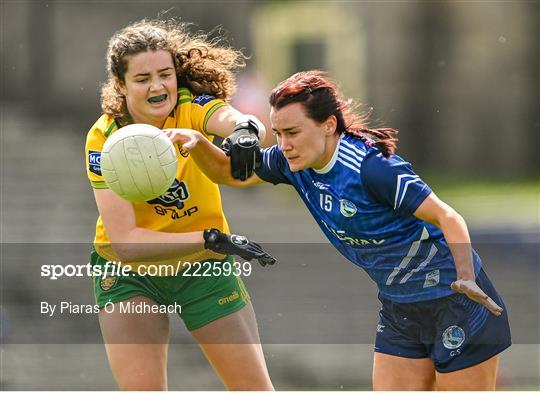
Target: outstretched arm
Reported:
[(210, 158), (224, 120), (384, 179), (135, 244), (455, 231)]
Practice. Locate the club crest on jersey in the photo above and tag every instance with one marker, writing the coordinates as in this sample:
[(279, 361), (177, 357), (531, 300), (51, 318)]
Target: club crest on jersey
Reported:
[(174, 197), (203, 99), (94, 162), (453, 337), (107, 282), (239, 240), (183, 152), (347, 208)]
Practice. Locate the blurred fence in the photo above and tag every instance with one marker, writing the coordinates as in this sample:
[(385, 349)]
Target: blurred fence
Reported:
[(452, 76), (460, 79)]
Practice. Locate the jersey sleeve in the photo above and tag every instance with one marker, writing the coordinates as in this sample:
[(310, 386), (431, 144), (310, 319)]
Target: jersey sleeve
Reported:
[(274, 166), (202, 108), (393, 182), (94, 145)]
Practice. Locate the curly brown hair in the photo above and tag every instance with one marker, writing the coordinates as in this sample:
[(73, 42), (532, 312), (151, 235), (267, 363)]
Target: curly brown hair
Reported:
[(204, 65)]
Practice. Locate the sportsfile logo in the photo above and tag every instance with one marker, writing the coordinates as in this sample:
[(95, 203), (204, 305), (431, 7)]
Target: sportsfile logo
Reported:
[(94, 162)]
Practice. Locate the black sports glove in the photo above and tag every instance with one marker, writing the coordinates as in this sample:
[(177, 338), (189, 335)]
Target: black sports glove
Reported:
[(244, 149), (223, 243)]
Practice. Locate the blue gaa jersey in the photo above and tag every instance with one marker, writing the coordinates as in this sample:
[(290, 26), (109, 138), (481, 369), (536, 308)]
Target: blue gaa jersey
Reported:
[(364, 204)]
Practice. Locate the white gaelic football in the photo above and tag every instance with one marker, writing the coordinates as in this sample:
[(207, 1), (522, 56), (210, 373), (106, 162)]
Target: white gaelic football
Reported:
[(139, 162)]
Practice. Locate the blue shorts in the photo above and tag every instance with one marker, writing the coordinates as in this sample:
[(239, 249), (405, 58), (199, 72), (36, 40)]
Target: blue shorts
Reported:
[(454, 331)]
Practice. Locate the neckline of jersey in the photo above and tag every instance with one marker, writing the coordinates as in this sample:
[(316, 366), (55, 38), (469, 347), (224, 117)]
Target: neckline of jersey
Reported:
[(328, 167)]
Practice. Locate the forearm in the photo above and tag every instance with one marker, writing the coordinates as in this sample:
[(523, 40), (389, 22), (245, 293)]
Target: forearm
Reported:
[(145, 245), (455, 232), (211, 159), (215, 164), (224, 120)]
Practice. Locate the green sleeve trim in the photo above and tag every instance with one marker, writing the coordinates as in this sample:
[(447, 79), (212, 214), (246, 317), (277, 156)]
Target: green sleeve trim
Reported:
[(98, 184), (210, 113), (110, 129), (183, 100), (184, 92)]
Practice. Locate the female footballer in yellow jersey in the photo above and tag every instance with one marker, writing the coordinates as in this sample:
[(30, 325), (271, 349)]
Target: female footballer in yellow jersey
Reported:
[(158, 74)]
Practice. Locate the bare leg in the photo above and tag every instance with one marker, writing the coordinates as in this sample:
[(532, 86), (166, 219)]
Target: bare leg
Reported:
[(136, 345), (483, 376), (397, 373), (232, 346)]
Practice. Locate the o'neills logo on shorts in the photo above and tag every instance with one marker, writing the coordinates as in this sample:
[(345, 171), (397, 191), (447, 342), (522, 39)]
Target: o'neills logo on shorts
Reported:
[(227, 299)]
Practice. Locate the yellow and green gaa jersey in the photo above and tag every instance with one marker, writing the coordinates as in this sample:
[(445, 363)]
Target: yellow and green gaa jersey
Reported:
[(192, 203)]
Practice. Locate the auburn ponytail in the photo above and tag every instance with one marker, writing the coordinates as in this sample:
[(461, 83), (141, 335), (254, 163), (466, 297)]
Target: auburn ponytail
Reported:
[(321, 98)]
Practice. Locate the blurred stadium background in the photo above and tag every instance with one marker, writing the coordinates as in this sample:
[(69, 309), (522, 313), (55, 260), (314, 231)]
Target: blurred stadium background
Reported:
[(459, 79)]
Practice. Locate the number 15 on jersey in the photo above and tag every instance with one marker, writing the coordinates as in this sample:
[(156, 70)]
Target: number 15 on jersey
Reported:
[(325, 201)]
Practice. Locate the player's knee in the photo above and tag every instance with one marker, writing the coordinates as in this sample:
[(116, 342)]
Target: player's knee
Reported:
[(250, 384), (142, 383), (389, 384)]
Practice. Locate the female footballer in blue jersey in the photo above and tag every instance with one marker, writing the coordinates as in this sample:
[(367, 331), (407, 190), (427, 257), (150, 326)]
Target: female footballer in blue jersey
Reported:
[(442, 323)]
